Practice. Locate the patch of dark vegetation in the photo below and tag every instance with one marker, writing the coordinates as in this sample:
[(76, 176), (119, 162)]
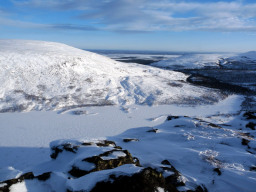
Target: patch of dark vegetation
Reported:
[(134, 60), (211, 82)]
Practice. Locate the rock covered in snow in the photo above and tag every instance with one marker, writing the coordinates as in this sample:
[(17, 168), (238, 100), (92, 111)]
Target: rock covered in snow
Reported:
[(38, 75)]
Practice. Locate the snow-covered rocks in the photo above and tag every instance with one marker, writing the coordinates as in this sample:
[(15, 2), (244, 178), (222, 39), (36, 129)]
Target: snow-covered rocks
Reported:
[(39, 75), (215, 153)]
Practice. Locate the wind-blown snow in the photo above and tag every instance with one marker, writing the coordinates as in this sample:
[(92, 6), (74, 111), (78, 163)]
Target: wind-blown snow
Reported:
[(39, 75)]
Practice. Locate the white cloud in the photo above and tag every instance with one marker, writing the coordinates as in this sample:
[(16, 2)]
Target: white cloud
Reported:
[(161, 15)]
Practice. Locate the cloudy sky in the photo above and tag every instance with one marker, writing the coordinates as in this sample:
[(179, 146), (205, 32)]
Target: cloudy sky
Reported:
[(168, 25)]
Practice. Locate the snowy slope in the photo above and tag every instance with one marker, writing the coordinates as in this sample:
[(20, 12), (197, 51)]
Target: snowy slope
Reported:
[(217, 153), (39, 75)]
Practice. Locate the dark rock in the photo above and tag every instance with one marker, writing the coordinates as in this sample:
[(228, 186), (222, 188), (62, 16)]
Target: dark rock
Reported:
[(87, 143), (106, 143), (214, 125), (79, 112), (101, 164), (26, 176), (148, 180), (77, 172), (44, 176), (251, 125), (253, 168), (64, 147), (152, 130), (129, 140), (217, 170), (201, 189), (170, 117), (245, 141), (166, 162)]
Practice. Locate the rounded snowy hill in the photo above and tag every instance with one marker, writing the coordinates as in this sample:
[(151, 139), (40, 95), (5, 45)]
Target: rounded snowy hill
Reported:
[(38, 75)]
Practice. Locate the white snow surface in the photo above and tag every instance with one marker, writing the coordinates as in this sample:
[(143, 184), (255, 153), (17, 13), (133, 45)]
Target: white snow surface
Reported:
[(38, 75)]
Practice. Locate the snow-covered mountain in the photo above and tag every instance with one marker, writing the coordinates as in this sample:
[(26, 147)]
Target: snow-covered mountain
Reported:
[(191, 61), (38, 75), (240, 61), (198, 61)]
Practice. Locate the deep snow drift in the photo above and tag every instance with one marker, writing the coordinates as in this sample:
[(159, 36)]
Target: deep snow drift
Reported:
[(39, 75)]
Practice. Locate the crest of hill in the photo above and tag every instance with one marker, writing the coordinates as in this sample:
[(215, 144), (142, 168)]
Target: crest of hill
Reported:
[(38, 75)]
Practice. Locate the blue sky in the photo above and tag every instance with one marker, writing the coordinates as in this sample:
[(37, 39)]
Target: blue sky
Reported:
[(167, 25)]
